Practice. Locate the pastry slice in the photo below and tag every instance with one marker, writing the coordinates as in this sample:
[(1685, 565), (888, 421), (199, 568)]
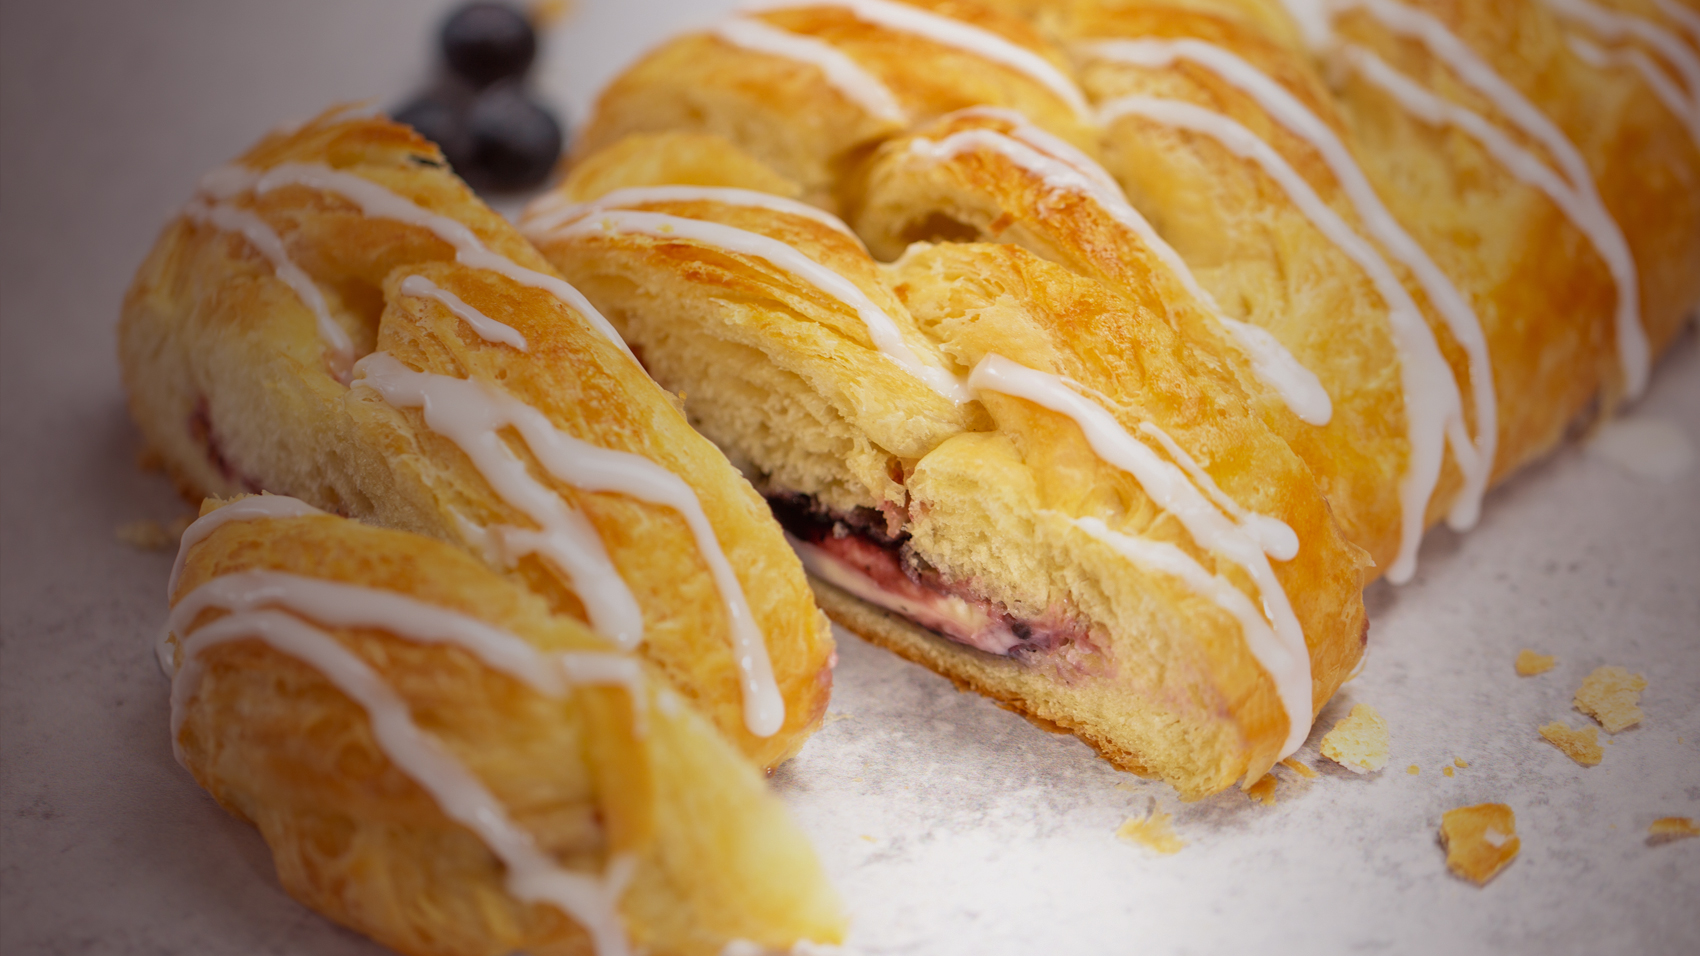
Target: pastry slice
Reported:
[(336, 317), (440, 761), (990, 464)]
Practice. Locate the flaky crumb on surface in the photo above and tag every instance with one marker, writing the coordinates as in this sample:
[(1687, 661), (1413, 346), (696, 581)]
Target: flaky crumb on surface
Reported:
[(1582, 746), (1529, 663), (1612, 696), (1672, 828), (1152, 831), (1447, 771), (1359, 742), (1263, 791), (1460, 762), (150, 535), (1412, 770), (1479, 840), (1302, 769)]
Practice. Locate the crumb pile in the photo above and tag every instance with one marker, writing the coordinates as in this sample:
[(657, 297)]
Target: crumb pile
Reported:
[(1153, 832), (1582, 746), (1612, 696), (1529, 663), (1359, 742), (1672, 828), (1479, 840)]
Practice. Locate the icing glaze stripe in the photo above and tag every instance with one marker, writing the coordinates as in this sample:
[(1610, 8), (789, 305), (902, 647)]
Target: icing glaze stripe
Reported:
[(531, 875), (472, 415), (1633, 352), (1286, 659), (1273, 365), (1665, 88), (1274, 536), (339, 348), (881, 328), (555, 210), (1588, 216), (486, 328), (1433, 405), (253, 508), (950, 32), (1476, 459), (1615, 25), (842, 73), (377, 202), (1685, 19)]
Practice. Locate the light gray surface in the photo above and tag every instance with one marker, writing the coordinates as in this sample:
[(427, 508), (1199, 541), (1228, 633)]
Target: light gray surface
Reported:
[(951, 826)]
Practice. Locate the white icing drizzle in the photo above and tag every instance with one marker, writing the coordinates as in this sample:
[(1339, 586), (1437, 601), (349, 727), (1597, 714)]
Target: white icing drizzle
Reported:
[(1475, 459), (1614, 25), (1633, 352), (881, 328), (555, 209), (1669, 93), (946, 31), (253, 508), (531, 876), (339, 348), (337, 604), (1274, 536), (1686, 19), (1271, 362), (841, 73), (472, 415), (1051, 145), (1433, 406), (1582, 207), (377, 202), (1286, 658), (487, 328)]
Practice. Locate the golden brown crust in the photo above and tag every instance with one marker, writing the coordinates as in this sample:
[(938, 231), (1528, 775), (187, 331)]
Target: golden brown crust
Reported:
[(588, 776), (227, 380), (734, 334)]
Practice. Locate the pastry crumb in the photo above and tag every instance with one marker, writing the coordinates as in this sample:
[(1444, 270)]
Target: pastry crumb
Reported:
[(1412, 770), (833, 718), (1479, 840), (1446, 771), (1529, 663), (1263, 791), (1153, 832), (150, 535), (1612, 696), (1304, 770), (1672, 828), (1582, 746), (1460, 762), (1359, 741)]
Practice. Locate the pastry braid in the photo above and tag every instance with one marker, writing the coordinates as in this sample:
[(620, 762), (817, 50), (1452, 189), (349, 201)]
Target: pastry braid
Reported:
[(440, 761), (337, 318), (1229, 303)]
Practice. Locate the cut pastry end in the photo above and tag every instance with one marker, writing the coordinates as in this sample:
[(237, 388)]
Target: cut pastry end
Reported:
[(1480, 841), (995, 540)]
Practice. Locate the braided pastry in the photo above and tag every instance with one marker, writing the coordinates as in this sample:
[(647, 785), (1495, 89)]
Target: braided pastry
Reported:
[(1243, 335), (440, 761), (491, 407), (337, 318)]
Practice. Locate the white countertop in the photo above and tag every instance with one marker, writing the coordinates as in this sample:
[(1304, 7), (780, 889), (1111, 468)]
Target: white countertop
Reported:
[(951, 826)]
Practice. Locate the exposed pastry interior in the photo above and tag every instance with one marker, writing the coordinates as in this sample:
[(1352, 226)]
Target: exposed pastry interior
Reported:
[(441, 761), (1340, 267)]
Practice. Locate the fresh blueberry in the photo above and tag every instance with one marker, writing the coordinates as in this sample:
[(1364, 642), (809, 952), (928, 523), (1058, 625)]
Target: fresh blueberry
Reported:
[(439, 119), (511, 142), (485, 42)]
